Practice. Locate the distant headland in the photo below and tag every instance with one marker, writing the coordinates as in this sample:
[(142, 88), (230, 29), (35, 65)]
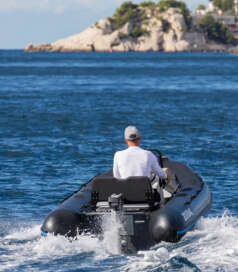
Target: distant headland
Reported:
[(166, 26)]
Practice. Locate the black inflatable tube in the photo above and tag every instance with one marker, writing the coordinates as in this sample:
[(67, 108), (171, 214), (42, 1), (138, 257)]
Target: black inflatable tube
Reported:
[(169, 223)]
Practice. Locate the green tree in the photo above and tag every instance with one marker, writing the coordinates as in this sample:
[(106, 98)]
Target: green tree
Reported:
[(129, 12), (149, 4), (216, 31), (126, 12), (138, 31), (201, 7), (125, 7), (224, 5)]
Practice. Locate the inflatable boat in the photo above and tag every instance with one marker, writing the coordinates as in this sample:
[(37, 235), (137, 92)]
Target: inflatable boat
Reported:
[(147, 216)]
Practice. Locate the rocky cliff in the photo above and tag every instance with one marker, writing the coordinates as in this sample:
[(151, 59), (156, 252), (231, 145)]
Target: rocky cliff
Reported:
[(149, 30)]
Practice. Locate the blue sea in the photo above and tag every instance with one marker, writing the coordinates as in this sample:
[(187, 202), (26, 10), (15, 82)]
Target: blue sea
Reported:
[(62, 117)]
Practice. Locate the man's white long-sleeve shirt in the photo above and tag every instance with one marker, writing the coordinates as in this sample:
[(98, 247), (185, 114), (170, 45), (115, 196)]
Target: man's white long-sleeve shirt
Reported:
[(135, 161)]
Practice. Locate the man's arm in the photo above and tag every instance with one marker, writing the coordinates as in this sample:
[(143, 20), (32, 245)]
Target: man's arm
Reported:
[(116, 173), (160, 172)]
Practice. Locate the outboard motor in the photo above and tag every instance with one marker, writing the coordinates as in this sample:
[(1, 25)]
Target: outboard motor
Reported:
[(131, 200), (115, 202)]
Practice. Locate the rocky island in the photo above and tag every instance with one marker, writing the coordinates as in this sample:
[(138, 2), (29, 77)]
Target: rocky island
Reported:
[(165, 26)]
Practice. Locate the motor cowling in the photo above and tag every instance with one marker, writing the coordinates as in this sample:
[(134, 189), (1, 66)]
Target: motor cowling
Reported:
[(115, 202)]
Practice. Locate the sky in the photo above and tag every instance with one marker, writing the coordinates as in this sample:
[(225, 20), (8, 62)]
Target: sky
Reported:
[(24, 22)]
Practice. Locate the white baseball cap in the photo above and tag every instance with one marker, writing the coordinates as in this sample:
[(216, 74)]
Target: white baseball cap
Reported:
[(131, 133)]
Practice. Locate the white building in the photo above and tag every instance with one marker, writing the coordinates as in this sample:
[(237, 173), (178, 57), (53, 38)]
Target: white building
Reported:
[(236, 7), (211, 7)]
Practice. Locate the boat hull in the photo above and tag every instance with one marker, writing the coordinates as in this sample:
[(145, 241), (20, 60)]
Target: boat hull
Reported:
[(143, 226)]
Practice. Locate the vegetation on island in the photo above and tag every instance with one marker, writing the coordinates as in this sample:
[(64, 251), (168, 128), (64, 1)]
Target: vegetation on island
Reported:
[(148, 4), (131, 23), (137, 16), (224, 5), (201, 7), (125, 13), (129, 12), (215, 31)]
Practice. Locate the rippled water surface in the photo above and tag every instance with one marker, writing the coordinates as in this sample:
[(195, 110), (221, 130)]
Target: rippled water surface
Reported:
[(62, 118)]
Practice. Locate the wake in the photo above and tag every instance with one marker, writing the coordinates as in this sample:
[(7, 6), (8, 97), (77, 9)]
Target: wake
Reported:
[(212, 245)]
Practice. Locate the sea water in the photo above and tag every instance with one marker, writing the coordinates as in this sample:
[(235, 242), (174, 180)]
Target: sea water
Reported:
[(62, 117)]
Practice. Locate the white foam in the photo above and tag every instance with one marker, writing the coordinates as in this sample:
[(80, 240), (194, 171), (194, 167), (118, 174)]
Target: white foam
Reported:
[(27, 246), (111, 228), (212, 245), (217, 243), (147, 260), (24, 233)]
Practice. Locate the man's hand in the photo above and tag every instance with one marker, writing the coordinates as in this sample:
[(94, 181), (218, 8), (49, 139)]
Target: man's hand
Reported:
[(168, 174)]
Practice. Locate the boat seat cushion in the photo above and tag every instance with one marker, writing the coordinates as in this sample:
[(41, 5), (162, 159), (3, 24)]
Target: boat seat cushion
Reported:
[(133, 189)]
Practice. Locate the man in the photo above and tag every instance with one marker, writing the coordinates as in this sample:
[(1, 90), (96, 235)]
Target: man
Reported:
[(135, 161)]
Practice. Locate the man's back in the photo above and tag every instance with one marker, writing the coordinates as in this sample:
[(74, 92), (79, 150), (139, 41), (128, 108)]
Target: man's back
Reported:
[(135, 161)]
